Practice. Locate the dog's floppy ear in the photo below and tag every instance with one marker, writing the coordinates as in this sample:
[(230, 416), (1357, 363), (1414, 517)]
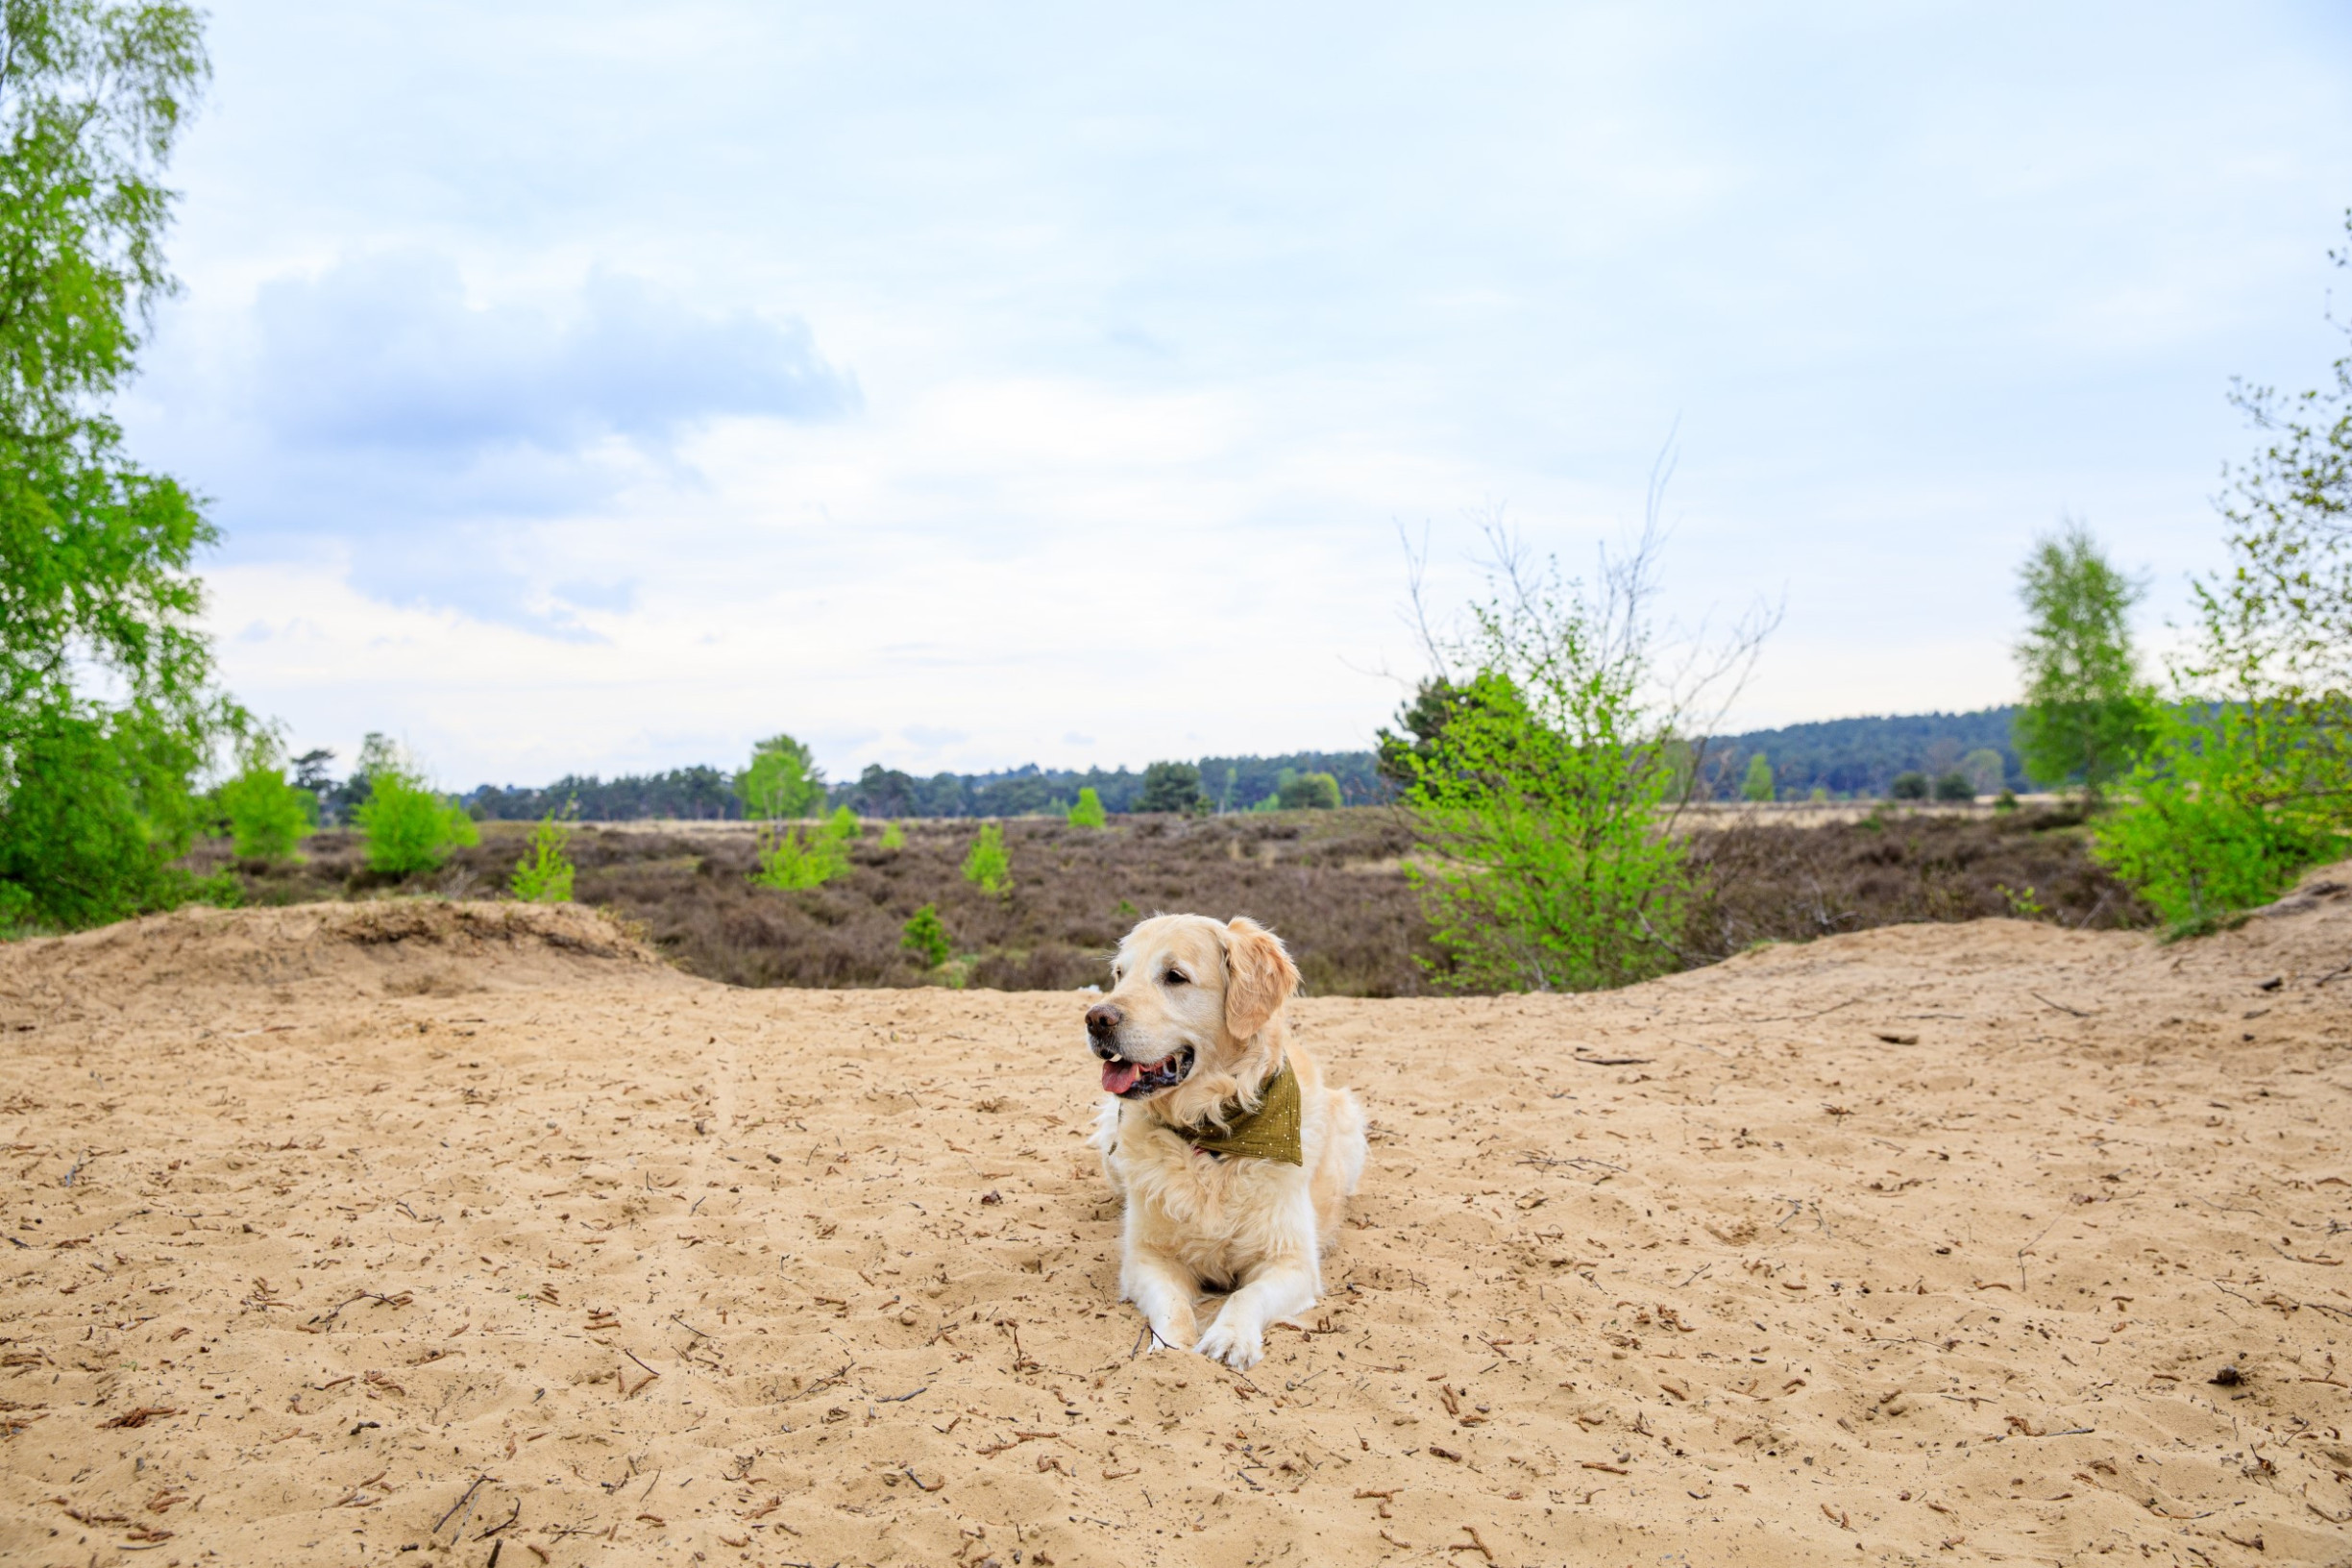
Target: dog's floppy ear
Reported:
[(1260, 977)]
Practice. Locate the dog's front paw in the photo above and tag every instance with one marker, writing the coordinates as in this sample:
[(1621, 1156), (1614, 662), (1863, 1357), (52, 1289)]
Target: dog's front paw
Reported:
[(1240, 1348)]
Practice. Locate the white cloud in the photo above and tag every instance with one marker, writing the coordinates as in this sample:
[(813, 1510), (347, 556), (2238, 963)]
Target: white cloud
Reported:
[(957, 388)]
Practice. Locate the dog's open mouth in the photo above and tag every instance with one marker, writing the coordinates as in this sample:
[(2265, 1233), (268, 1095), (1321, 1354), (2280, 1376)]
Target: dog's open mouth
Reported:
[(1131, 1081)]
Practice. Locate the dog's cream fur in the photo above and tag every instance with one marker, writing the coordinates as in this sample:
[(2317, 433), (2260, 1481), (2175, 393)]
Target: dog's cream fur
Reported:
[(1258, 1227)]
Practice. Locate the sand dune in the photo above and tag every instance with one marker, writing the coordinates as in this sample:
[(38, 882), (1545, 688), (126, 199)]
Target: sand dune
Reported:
[(345, 1231)]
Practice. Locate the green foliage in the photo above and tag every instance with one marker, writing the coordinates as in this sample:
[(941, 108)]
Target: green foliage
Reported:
[(987, 863), (267, 815), (1910, 786), (925, 936), (1172, 786), (409, 827), (1088, 811), (894, 836), (783, 781), (95, 587), (2250, 776), (2006, 800), (96, 809), (544, 875), (1758, 784), (1542, 806), (792, 857), (1548, 857), (2086, 712), (2025, 906), (1309, 792), (1955, 787), (2220, 820)]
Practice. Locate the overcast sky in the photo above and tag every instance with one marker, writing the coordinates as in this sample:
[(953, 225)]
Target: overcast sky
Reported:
[(590, 387)]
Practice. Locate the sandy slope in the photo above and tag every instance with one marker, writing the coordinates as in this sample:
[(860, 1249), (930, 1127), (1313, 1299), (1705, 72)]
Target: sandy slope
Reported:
[(319, 1216)]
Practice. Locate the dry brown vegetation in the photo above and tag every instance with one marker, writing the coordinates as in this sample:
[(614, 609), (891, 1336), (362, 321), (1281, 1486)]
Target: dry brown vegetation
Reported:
[(1332, 883)]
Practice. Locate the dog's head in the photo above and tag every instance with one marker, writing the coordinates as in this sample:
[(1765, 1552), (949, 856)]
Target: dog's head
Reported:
[(1188, 999)]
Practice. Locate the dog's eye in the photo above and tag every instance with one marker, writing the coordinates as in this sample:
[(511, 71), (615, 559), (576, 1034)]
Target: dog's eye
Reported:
[(1175, 977)]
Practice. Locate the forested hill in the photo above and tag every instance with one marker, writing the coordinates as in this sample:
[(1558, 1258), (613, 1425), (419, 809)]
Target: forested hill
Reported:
[(1844, 756), (1861, 756)]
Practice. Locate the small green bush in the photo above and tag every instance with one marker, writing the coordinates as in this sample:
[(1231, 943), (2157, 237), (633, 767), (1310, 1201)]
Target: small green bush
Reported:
[(894, 836), (1908, 787), (2006, 800), (987, 863), (2215, 825), (1088, 811), (1758, 785), (925, 936), (267, 817), (790, 859), (544, 876), (1954, 786), (1309, 792), (409, 827)]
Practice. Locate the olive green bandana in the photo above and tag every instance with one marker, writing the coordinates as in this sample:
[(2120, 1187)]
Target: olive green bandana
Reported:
[(1271, 1132)]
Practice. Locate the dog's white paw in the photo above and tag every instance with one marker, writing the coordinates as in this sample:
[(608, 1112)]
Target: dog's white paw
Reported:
[(1237, 1348), (1166, 1337)]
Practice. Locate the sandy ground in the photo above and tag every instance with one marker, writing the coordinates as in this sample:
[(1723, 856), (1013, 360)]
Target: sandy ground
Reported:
[(345, 1231)]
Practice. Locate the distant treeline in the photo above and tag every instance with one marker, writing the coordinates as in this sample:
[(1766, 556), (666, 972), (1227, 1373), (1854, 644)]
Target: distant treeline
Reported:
[(1846, 757), (1861, 757), (708, 794)]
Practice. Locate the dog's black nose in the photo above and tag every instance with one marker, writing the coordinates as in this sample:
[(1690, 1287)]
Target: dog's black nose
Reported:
[(1103, 1018)]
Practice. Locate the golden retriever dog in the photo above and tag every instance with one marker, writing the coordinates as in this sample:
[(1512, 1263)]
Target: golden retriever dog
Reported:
[(1232, 1156)]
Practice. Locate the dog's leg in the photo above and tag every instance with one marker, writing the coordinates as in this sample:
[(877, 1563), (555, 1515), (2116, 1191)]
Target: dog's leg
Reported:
[(1162, 1289), (1276, 1290)]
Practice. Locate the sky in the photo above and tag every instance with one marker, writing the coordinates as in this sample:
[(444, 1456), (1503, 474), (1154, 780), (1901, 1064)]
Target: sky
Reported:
[(599, 389)]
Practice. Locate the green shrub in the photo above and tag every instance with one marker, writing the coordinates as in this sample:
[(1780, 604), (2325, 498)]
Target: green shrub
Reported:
[(842, 826), (894, 836), (1954, 786), (267, 817), (1088, 811), (544, 876), (1912, 785), (94, 807), (790, 858), (1759, 784), (925, 936), (2217, 824), (1309, 792), (987, 863), (2006, 800), (410, 827)]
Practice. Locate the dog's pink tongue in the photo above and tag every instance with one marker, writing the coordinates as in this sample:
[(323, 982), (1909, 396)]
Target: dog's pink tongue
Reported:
[(1118, 1077)]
